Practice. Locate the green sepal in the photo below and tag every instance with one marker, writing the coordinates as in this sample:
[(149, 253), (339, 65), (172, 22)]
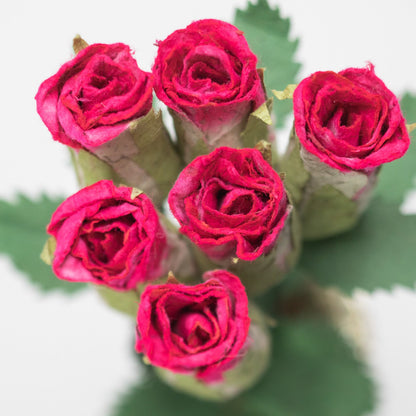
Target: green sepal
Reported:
[(258, 124), (78, 44), (126, 302), (286, 94), (411, 127), (328, 212), (48, 251), (135, 193), (239, 378)]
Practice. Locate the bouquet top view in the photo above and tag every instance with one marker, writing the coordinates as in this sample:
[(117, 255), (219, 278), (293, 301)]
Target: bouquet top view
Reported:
[(232, 249)]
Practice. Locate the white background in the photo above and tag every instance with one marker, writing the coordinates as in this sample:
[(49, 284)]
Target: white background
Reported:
[(68, 356)]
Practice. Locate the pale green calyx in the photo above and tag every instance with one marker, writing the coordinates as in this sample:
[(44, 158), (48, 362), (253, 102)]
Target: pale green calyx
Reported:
[(48, 251), (287, 93)]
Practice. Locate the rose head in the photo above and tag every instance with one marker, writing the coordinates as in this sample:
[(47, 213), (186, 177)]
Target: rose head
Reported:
[(230, 203), (207, 73), (106, 235), (350, 120), (93, 97), (199, 329)]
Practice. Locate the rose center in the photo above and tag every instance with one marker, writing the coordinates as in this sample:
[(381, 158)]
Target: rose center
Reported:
[(99, 82), (194, 328), (104, 239), (104, 246), (235, 202), (202, 71), (206, 67), (240, 205), (344, 120)]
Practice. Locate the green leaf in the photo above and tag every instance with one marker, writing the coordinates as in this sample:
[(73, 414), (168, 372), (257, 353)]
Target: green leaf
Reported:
[(268, 36), (312, 372), (257, 125), (398, 177), (23, 235), (378, 253)]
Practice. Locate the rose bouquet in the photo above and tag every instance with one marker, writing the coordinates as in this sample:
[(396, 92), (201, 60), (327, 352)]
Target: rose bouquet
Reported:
[(213, 294)]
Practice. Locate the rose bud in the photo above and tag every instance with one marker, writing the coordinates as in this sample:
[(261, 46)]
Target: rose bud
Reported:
[(234, 207), (100, 105), (347, 125), (206, 74), (113, 236), (200, 336)]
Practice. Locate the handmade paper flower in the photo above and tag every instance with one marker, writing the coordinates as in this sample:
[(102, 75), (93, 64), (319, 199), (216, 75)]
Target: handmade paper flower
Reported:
[(100, 104), (108, 235), (93, 97), (230, 203), (347, 125), (207, 75), (349, 120), (200, 330)]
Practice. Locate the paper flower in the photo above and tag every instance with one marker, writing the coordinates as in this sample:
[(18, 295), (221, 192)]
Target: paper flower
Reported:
[(108, 235), (207, 75), (349, 120), (100, 104), (93, 97), (230, 203), (199, 329), (347, 125)]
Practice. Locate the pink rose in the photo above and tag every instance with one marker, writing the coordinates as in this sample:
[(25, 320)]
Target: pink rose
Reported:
[(107, 235), (93, 97), (350, 120), (199, 329), (207, 74), (230, 203)]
